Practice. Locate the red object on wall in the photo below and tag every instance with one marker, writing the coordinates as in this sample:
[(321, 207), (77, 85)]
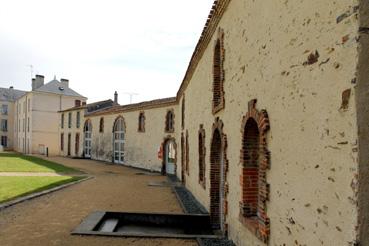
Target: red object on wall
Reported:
[(160, 152)]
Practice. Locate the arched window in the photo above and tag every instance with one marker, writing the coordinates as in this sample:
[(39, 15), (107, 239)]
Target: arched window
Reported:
[(218, 74), (169, 121), (183, 157), (250, 150), (76, 146), (187, 154), (255, 160), (119, 140), (141, 122), (183, 112), (202, 152), (101, 128), (87, 131)]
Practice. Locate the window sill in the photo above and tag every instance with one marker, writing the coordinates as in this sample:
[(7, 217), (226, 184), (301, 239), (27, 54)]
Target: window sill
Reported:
[(251, 223)]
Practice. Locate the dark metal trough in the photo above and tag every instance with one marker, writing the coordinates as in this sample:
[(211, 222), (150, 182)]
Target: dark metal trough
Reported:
[(122, 224)]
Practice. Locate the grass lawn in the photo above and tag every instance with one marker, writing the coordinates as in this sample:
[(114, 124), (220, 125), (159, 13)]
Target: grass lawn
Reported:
[(10, 162), (12, 187)]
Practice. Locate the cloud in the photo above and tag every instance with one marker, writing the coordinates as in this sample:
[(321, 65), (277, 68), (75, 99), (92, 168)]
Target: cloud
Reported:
[(101, 46)]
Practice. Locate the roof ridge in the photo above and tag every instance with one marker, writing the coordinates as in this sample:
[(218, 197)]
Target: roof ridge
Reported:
[(216, 13)]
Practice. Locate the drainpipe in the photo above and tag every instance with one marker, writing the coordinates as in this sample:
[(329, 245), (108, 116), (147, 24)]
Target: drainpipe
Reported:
[(25, 127)]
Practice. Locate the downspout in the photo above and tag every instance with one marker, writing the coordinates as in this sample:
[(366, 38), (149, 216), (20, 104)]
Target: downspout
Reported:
[(25, 127)]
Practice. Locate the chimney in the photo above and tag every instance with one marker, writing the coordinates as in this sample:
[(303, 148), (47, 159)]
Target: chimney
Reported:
[(37, 82), (65, 83), (116, 97)]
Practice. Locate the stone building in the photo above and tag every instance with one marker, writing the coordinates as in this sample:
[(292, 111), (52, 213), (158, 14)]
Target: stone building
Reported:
[(36, 116), (73, 128), (8, 96), (269, 127)]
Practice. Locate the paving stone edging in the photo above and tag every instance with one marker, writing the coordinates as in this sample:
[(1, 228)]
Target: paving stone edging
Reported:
[(41, 193)]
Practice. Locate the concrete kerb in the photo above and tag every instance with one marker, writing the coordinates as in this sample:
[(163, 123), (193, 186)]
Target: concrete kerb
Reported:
[(41, 193)]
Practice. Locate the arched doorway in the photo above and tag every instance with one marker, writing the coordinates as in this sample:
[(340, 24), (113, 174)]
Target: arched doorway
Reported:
[(216, 181), (118, 140), (170, 156), (87, 130)]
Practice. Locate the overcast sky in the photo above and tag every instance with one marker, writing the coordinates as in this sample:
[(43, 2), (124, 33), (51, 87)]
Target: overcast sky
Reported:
[(139, 46)]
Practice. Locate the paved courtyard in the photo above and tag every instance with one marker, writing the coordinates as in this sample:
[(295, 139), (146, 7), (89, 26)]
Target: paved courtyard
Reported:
[(48, 220)]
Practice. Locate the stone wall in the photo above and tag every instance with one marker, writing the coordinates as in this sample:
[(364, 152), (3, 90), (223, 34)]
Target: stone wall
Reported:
[(141, 147), (298, 59)]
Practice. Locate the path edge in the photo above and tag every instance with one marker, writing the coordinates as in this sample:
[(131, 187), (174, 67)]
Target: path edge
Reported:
[(41, 193)]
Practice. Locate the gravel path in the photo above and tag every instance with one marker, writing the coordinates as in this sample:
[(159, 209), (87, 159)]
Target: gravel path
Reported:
[(189, 202), (48, 220)]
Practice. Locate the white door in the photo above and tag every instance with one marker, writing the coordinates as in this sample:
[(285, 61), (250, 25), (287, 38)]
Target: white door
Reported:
[(119, 141), (88, 139), (169, 158)]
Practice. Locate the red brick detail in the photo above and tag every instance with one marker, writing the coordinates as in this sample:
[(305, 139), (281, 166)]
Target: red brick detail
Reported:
[(169, 121), (187, 154), (218, 73), (202, 152), (218, 166), (255, 160), (183, 111), (183, 164)]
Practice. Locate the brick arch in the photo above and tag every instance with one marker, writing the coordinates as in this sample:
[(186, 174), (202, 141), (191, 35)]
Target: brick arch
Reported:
[(218, 177), (202, 154), (255, 160), (183, 164)]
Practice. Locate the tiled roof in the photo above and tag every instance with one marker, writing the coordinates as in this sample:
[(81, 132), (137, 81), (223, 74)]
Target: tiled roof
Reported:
[(92, 105), (136, 106)]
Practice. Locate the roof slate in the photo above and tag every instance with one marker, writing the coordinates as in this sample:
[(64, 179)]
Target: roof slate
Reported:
[(7, 94), (57, 87)]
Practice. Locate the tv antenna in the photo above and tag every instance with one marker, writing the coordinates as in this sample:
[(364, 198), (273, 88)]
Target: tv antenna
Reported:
[(131, 94), (31, 67)]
